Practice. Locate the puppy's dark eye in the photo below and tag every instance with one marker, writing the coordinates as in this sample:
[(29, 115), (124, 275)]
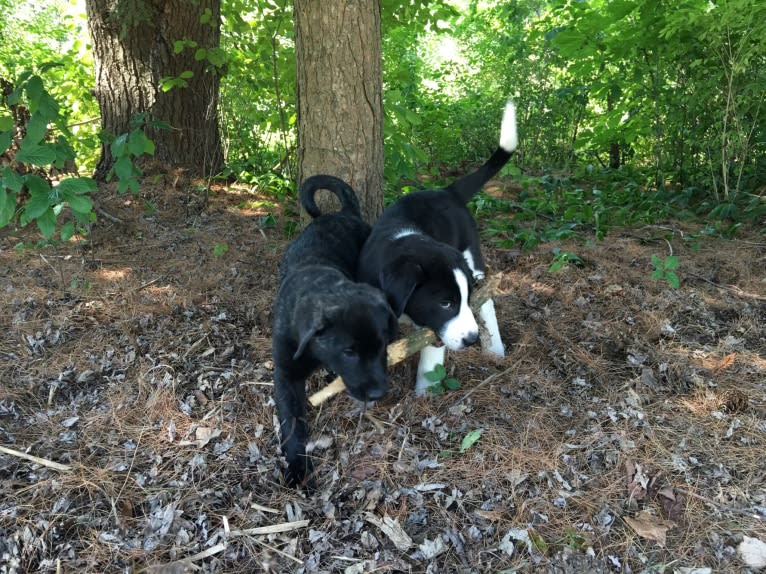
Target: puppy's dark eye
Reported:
[(446, 304), (349, 353)]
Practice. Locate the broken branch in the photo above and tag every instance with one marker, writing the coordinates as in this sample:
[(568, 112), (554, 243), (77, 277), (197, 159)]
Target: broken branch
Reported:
[(45, 462)]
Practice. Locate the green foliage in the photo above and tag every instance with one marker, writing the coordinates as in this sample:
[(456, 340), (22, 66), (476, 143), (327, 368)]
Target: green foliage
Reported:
[(26, 191), (220, 249), (128, 148), (470, 439), (441, 382), (50, 37), (674, 94), (664, 269), (258, 113), (563, 258)]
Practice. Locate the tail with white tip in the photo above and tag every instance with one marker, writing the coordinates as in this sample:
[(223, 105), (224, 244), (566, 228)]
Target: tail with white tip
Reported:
[(468, 186)]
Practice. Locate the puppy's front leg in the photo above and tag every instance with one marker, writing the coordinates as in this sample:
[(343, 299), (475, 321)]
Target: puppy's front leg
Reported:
[(492, 342), (430, 356), (290, 397)]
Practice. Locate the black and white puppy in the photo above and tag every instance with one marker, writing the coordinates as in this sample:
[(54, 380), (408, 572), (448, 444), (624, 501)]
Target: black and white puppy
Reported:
[(424, 252), (322, 317)]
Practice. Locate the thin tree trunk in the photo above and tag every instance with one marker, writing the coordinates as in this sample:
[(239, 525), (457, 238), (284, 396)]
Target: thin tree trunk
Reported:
[(134, 49), (340, 106)]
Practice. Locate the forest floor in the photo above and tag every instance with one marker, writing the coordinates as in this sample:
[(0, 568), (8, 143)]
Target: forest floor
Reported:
[(625, 430)]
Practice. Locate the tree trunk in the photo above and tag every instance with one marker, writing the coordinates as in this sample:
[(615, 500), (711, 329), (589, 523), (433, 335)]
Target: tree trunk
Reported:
[(134, 49), (340, 103)]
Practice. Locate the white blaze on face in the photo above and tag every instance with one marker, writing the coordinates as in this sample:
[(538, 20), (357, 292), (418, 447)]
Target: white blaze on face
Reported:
[(463, 325)]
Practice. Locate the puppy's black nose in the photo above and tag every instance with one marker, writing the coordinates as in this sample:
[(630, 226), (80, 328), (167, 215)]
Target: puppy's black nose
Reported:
[(470, 339)]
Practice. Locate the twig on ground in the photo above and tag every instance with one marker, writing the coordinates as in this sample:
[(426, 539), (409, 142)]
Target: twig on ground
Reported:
[(720, 505), (731, 288), (489, 379), (271, 529), (109, 216), (45, 462), (414, 342)]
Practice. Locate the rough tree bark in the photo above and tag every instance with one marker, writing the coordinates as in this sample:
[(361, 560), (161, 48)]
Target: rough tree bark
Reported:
[(133, 50), (340, 104)]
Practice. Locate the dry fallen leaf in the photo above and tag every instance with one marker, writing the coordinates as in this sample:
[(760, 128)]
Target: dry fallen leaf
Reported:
[(650, 527), (752, 551), (672, 502), (391, 528), (724, 363)]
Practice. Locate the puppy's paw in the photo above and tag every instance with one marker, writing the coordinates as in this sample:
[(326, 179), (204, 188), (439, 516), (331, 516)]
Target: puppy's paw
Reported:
[(496, 348), (422, 385), (299, 474)]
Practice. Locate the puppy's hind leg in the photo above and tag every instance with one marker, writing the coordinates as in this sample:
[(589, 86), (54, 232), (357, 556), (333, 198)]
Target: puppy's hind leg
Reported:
[(430, 356), (491, 341)]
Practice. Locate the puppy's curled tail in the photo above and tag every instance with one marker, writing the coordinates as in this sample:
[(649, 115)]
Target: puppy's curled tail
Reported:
[(343, 191)]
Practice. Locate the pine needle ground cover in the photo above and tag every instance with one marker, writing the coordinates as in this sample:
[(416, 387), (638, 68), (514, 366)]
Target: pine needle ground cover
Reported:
[(623, 432)]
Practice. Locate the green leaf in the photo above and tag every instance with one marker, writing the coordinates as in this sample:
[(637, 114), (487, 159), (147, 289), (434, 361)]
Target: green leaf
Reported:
[(220, 249), (470, 439), (558, 264), (137, 143), (437, 374), (67, 231), (80, 204), (37, 155), (658, 274), (178, 46), (672, 279), (5, 141), (34, 208), (6, 123), (47, 223), (451, 384), (34, 89), (200, 54), (36, 128), (118, 145), (124, 168), (7, 207), (76, 186), (657, 262), (671, 262), (216, 56), (12, 180), (437, 389), (186, 75), (48, 107)]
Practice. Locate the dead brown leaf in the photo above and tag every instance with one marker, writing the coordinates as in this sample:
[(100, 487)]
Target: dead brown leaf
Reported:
[(672, 502), (650, 527), (724, 363)]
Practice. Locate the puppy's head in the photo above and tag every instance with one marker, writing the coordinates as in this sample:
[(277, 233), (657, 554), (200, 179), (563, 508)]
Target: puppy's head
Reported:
[(432, 288), (349, 336)]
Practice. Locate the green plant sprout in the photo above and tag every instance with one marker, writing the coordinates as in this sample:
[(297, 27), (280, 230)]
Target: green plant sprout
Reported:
[(563, 258), (665, 270), (441, 383)]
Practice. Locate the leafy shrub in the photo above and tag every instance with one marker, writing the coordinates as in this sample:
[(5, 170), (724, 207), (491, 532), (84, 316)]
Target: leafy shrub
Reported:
[(27, 191)]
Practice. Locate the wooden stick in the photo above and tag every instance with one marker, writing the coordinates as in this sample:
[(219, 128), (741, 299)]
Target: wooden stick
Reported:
[(411, 344), (38, 460), (271, 529)]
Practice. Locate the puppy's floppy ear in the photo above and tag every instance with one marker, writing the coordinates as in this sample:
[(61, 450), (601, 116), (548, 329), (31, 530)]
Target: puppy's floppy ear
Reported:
[(398, 280), (315, 324)]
